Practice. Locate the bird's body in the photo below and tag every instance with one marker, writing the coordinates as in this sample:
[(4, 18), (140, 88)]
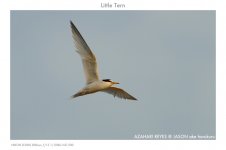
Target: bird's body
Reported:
[(94, 87), (93, 83)]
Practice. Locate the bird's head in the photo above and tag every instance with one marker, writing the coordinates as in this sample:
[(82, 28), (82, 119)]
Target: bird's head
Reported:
[(109, 80)]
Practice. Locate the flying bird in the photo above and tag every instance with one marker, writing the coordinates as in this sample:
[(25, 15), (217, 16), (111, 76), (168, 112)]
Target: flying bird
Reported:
[(93, 83)]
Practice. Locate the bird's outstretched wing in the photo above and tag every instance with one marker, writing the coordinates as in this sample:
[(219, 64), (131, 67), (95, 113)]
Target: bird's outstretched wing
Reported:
[(88, 58), (119, 93)]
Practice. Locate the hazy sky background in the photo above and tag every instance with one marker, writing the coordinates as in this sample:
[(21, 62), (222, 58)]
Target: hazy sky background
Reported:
[(166, 59)]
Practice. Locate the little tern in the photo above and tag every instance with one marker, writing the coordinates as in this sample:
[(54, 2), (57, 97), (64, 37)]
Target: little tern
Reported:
[(93, 83)]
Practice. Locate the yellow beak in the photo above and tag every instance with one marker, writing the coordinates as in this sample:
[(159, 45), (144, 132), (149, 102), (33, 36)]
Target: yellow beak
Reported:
[(115, 82)]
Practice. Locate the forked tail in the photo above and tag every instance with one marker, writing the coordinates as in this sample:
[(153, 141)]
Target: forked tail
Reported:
[(76, 95)]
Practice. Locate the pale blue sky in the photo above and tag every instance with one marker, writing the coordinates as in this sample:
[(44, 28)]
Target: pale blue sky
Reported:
[(166, 59)]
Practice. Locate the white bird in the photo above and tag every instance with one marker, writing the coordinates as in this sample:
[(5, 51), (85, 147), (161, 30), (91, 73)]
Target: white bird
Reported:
[(93, 83)]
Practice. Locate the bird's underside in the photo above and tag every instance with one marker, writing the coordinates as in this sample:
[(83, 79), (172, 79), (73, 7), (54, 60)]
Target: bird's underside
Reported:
[(116, 92), (93, 84)]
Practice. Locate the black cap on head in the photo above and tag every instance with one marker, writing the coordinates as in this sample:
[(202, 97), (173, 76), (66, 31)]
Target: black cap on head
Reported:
[(106, 80)]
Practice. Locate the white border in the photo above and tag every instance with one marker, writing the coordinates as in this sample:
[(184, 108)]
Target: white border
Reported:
[(130, 4), (5, 8)]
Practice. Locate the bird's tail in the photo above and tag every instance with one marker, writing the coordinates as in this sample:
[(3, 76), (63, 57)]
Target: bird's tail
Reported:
[(76, 95)]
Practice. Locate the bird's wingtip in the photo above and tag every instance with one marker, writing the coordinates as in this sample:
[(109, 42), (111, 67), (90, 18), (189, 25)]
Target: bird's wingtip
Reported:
[(72, 24), (134, 99)]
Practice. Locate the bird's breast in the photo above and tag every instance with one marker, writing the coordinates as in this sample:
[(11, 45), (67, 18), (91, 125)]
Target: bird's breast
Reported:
[(97, 86)]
